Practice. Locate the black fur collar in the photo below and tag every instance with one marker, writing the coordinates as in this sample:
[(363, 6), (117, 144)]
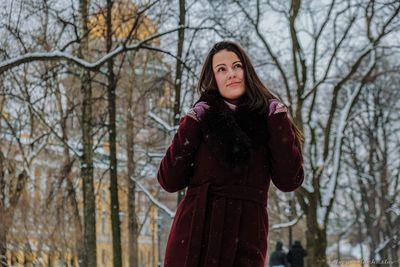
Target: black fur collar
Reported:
[(231, 135)]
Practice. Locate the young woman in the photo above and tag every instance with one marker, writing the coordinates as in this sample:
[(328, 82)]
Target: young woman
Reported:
[(235, 139)]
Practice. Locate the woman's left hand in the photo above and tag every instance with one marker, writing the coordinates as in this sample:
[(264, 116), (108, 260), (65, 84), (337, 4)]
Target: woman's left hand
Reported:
[(276, 107)]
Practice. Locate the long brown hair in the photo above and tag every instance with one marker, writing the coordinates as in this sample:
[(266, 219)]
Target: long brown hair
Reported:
[(257, 94)]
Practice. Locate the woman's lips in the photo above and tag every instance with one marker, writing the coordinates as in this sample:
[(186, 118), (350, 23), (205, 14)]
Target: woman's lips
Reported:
[(235, 83)]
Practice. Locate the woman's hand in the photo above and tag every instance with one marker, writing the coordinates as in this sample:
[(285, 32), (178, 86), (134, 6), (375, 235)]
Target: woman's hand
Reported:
[(276, 107), (199, 110)]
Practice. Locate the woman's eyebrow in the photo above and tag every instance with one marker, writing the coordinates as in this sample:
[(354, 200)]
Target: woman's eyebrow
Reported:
[(220, 64), (223, 64)]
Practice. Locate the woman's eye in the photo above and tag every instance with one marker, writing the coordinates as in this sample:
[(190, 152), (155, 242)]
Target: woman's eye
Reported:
[(220, 69), (238, 66)]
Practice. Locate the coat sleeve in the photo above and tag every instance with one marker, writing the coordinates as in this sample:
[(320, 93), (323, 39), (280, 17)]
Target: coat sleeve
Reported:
[(287, 159), (177, 164)]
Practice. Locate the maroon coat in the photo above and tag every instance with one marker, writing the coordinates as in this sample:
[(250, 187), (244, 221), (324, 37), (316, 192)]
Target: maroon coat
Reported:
[(227, 159)]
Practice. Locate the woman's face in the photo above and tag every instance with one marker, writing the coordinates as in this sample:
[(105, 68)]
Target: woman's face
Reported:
[(228, 72)]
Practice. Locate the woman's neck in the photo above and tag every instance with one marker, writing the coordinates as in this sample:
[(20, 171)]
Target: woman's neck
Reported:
[(231, 105), (234, 101)]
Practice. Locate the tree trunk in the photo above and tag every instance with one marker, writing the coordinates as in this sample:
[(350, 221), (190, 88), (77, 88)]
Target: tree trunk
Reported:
[(316, 237), (89, 207), (115, 221), (3, 241), (8, 198), (3, 230), (66, 172), (132, 219), (179, 70)]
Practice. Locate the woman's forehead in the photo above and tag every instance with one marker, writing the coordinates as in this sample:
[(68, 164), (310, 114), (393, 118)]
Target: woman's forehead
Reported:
[(225, 57)]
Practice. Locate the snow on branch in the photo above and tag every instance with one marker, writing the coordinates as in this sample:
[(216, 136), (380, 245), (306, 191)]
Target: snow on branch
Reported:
[(154, 200), (162, 123), (328, 195), (329, 192), (287, 224), (157, 49), (382, 246), (57, 55), (155, 155), (395, 210)]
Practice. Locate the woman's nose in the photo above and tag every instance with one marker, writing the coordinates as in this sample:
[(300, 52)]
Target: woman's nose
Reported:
[(231, 73)]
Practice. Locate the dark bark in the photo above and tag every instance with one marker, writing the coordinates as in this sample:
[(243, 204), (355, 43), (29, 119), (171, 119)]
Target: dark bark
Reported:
[(179, 70), (115, 221), (132, 219), (89, 207), (3, 243), (3, 227), (316, 237)]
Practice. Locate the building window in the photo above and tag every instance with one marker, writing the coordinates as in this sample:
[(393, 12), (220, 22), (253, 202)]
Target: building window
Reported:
[(103, 222), (103, 256), (104, 195)]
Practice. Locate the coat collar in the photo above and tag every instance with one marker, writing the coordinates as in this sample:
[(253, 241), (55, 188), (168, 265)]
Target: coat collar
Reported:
[(231, 135)]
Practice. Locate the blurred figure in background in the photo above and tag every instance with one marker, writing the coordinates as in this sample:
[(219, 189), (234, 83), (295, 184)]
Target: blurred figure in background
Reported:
[(296, 255), (278, 257)]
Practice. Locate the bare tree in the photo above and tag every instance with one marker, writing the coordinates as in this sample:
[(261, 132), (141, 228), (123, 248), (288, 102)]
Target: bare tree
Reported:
[(142, 137), (178, 70), (89, 207), (65, 39), (112, 132), (132, 217), (21, 141), (10, 192), (376, 167)]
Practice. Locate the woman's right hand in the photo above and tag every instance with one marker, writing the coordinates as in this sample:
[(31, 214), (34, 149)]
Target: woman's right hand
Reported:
[(200, 109)]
